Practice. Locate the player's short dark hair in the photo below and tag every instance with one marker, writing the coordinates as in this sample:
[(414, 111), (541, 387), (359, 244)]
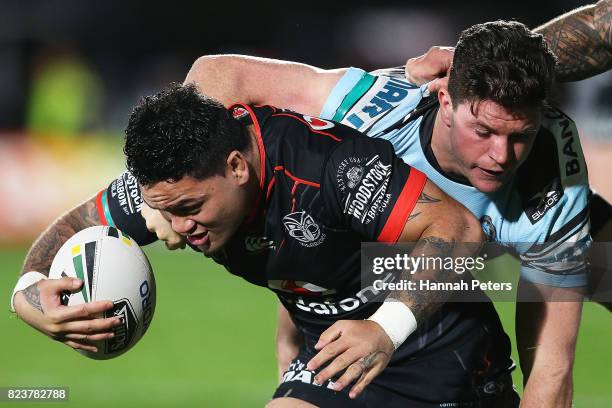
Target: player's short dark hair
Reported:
[(180, 132), (502, 61)]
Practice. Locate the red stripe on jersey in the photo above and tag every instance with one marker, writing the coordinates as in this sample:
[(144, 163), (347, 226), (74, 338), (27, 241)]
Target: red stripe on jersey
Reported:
[(272, 182), (100, 208), (403, 207), (296, 179), (337, 139), (262, 158)]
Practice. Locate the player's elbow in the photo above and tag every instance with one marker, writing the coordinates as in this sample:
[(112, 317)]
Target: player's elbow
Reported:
[(213, 67)]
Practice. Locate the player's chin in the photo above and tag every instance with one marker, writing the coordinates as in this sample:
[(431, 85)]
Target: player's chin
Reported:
[(487, 184)]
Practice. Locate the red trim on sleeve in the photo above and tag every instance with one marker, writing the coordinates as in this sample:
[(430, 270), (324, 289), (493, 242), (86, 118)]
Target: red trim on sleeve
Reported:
[(100, 208), (403, 207)]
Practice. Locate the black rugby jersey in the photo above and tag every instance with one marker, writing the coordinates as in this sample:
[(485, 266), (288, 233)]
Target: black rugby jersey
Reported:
[(324, 189)]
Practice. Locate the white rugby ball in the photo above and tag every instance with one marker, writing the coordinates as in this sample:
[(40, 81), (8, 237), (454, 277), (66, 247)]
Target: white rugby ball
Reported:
[(112, 267)]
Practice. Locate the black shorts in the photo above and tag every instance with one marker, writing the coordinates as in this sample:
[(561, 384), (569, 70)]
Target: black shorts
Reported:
[(460, 376)]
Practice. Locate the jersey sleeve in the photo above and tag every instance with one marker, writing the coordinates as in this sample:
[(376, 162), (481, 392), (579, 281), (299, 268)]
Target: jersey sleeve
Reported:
[(559, 217), (372, 103), (119, 206), (370, 190)]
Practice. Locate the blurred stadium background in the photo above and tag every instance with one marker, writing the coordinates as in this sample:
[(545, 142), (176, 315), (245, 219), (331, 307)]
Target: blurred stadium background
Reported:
[(70, 71)]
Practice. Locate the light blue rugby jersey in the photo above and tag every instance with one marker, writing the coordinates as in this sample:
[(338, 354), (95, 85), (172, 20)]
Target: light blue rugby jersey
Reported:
[(546, 203)]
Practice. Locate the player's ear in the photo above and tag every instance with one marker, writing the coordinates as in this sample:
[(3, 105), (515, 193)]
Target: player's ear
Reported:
[(446, 106), (238, 167)]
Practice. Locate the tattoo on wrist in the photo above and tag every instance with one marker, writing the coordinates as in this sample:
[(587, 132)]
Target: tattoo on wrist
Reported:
[(32, 296)]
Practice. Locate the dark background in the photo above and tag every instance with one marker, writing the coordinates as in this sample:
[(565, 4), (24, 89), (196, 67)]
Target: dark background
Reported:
[(131, 48)]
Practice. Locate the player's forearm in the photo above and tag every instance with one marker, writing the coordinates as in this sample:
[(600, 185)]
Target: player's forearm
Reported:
[(450, 237), (547, 332), (287, 340), (40, 256), (549, 386), (581, 40), (262, 81)]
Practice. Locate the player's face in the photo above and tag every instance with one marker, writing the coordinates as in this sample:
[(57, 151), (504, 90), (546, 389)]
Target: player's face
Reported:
[(489, 143), (207, 212)]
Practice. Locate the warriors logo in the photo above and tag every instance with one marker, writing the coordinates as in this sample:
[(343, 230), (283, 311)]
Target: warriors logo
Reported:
[(303, 228)]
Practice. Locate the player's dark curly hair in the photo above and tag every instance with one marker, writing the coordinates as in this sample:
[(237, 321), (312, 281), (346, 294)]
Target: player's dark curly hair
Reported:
[(501, 61), (180, 132)]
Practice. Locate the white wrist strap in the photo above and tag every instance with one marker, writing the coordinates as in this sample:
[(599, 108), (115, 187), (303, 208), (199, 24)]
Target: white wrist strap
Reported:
[(396, 319), (24, 281)]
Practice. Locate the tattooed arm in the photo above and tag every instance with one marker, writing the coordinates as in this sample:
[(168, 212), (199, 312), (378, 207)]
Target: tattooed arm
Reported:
[(40, 255), (581, 40), (39, 304), (363, 348)]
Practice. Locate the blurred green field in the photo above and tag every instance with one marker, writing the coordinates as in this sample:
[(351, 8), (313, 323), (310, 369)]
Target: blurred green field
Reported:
[(211, 345)]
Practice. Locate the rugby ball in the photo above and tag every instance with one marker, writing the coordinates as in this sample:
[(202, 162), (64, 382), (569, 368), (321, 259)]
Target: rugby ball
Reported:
[(112, 267)]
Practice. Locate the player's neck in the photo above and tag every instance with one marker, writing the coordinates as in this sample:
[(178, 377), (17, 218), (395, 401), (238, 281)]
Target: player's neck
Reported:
[(442, 149)]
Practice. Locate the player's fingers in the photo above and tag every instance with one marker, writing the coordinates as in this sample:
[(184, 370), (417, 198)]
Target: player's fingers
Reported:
[(437, 84), (353, 372), (79, 346), (329, 335), (364, 381), (94, 326), (85, 310), (57, 286), (338, 364), (89, 337), (366, 378), (330, 351)]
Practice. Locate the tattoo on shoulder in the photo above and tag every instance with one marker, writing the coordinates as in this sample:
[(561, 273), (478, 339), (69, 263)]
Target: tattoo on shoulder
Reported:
[(426, 199), (41, 254), (32, 295)]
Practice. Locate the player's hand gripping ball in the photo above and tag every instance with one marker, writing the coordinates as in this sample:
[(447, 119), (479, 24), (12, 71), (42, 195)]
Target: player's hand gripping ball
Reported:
[(112, 267)]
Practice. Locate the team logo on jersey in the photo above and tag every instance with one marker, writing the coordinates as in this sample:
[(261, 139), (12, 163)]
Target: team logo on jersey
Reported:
[(488, 228), (318, 123), (364, 182), (239, 112), (303, 228), (255, 245)]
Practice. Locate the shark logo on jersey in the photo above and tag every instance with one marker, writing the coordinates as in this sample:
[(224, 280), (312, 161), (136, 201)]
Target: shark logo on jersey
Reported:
[(488, 228), (303, 228)]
